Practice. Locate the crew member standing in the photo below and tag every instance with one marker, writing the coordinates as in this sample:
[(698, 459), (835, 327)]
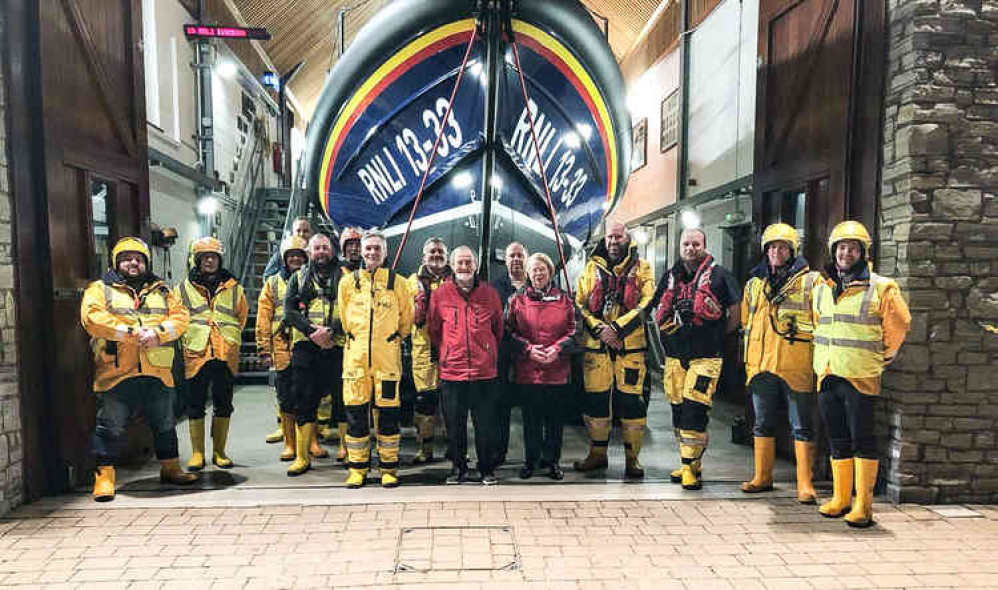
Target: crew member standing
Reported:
[(613, 291), (776, 321), (860, 323), (431, 274), (273, 338), (218, 309), (310, 308), (133, 319), (697, 308), (376, 310)]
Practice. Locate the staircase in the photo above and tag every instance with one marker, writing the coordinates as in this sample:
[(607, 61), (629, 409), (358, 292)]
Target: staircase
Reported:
[(267, 231)]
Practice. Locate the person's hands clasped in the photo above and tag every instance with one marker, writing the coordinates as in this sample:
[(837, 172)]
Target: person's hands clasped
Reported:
[(148, 338), (322, 337)]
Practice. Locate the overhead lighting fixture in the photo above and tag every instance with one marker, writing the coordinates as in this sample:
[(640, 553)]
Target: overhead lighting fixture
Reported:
[(571, 140), (585, 131), (641, 236), (689, 219)]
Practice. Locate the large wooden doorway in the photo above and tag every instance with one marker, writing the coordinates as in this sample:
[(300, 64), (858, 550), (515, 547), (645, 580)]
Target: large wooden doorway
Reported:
[(80, 181)]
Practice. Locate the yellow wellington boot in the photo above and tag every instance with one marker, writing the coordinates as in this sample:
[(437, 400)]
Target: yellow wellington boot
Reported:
[(389, 478), (841, 489), (424, 439), (170, 472), (690, 478), (277, 435), (197, 444), (765, 454), (804, 453), (315, 449), (861, 515), (220, 434), (303, 434), (357, 478), (104, 479), (676, 475), (341, 453), (596, 459), (288, 429), (633, 433)]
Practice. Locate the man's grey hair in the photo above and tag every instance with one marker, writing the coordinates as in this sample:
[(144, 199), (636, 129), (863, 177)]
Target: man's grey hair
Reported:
[(461, 250), (373, 234), (434, 240)]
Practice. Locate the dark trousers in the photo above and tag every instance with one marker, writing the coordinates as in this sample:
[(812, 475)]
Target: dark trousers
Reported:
[(145, 395), (480, 397), (285, 390), (508, 398), (214, 379), (769, 392), (317, 373), (543, 422), (850, 417)]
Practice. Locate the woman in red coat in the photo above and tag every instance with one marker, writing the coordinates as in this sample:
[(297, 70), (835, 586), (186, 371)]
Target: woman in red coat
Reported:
[(541, 320)]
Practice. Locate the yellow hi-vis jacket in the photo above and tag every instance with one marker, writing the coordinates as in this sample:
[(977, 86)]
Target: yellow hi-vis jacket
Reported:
[(777, 327), (113, 313), (321, 310), (624, 291), (859, 332), (272, 336), (425, 372), (216, 328), (376, 313)]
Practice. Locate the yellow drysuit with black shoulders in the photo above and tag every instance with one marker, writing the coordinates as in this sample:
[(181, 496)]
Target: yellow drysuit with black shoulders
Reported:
[(376, 311)]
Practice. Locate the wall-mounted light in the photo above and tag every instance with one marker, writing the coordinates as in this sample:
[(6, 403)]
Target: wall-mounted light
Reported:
[(226, 68), (208, 206), (641, 236), (463, 180)]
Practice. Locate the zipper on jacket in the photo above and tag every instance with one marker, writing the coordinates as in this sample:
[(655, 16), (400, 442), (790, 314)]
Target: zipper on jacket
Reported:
[(467, 337), (370, 326)]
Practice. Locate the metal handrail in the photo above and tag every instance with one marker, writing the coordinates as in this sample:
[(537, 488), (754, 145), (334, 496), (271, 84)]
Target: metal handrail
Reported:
[(250, 215)]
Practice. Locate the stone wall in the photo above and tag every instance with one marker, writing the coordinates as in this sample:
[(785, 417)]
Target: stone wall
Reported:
[(11, 454), (939, 232)]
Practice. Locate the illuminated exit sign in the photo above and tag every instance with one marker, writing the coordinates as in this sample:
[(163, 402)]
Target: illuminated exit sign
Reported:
[(213, 32)]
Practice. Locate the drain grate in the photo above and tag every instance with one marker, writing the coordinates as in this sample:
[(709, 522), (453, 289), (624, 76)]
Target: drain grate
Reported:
[(457, 548)]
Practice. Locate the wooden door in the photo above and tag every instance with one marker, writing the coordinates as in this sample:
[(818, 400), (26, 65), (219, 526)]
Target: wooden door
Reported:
[(80, 67), (818, 111)]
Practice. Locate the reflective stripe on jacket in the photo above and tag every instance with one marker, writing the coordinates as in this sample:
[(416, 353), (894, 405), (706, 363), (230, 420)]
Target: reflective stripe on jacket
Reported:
[(113, 313), (778, 330), (271, 333), (857, 333), (215, 331)]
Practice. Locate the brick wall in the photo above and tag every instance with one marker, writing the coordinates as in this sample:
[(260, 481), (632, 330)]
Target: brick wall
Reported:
[(939, 231), (11, 454)]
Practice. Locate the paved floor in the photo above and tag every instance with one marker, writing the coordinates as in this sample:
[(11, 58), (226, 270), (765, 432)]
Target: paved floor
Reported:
[(707, 544), (257, 466)]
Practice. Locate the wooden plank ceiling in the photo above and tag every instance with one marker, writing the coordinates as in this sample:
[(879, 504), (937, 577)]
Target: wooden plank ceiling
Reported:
[(306, 30)]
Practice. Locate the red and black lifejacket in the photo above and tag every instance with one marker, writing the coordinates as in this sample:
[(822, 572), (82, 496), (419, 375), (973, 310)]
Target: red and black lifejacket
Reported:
[(611, 289), (705, 304)]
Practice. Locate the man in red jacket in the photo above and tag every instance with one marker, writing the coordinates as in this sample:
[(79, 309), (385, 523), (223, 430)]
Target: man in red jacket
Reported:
[(465, 324)]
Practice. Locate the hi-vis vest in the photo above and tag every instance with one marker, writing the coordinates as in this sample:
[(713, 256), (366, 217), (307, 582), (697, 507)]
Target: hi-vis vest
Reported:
[(779, 330), (221, 312), (321, 311), (849, 337), (279, 287), (150, 311)]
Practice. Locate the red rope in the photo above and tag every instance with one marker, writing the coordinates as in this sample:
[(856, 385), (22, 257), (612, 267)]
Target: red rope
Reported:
[(540, 165), (436, 144)]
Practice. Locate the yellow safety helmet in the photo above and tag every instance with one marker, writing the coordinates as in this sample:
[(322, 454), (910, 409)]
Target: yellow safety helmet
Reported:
[(130, 244), (781, 232), (349, 233), (205, 245), (294, 243), (849, 230)]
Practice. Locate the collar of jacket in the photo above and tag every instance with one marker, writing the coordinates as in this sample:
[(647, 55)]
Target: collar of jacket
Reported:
[(678, 269), (551, 293), (860, 276), (424, 273), (111, 277), (601, 257), (762, 269)]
